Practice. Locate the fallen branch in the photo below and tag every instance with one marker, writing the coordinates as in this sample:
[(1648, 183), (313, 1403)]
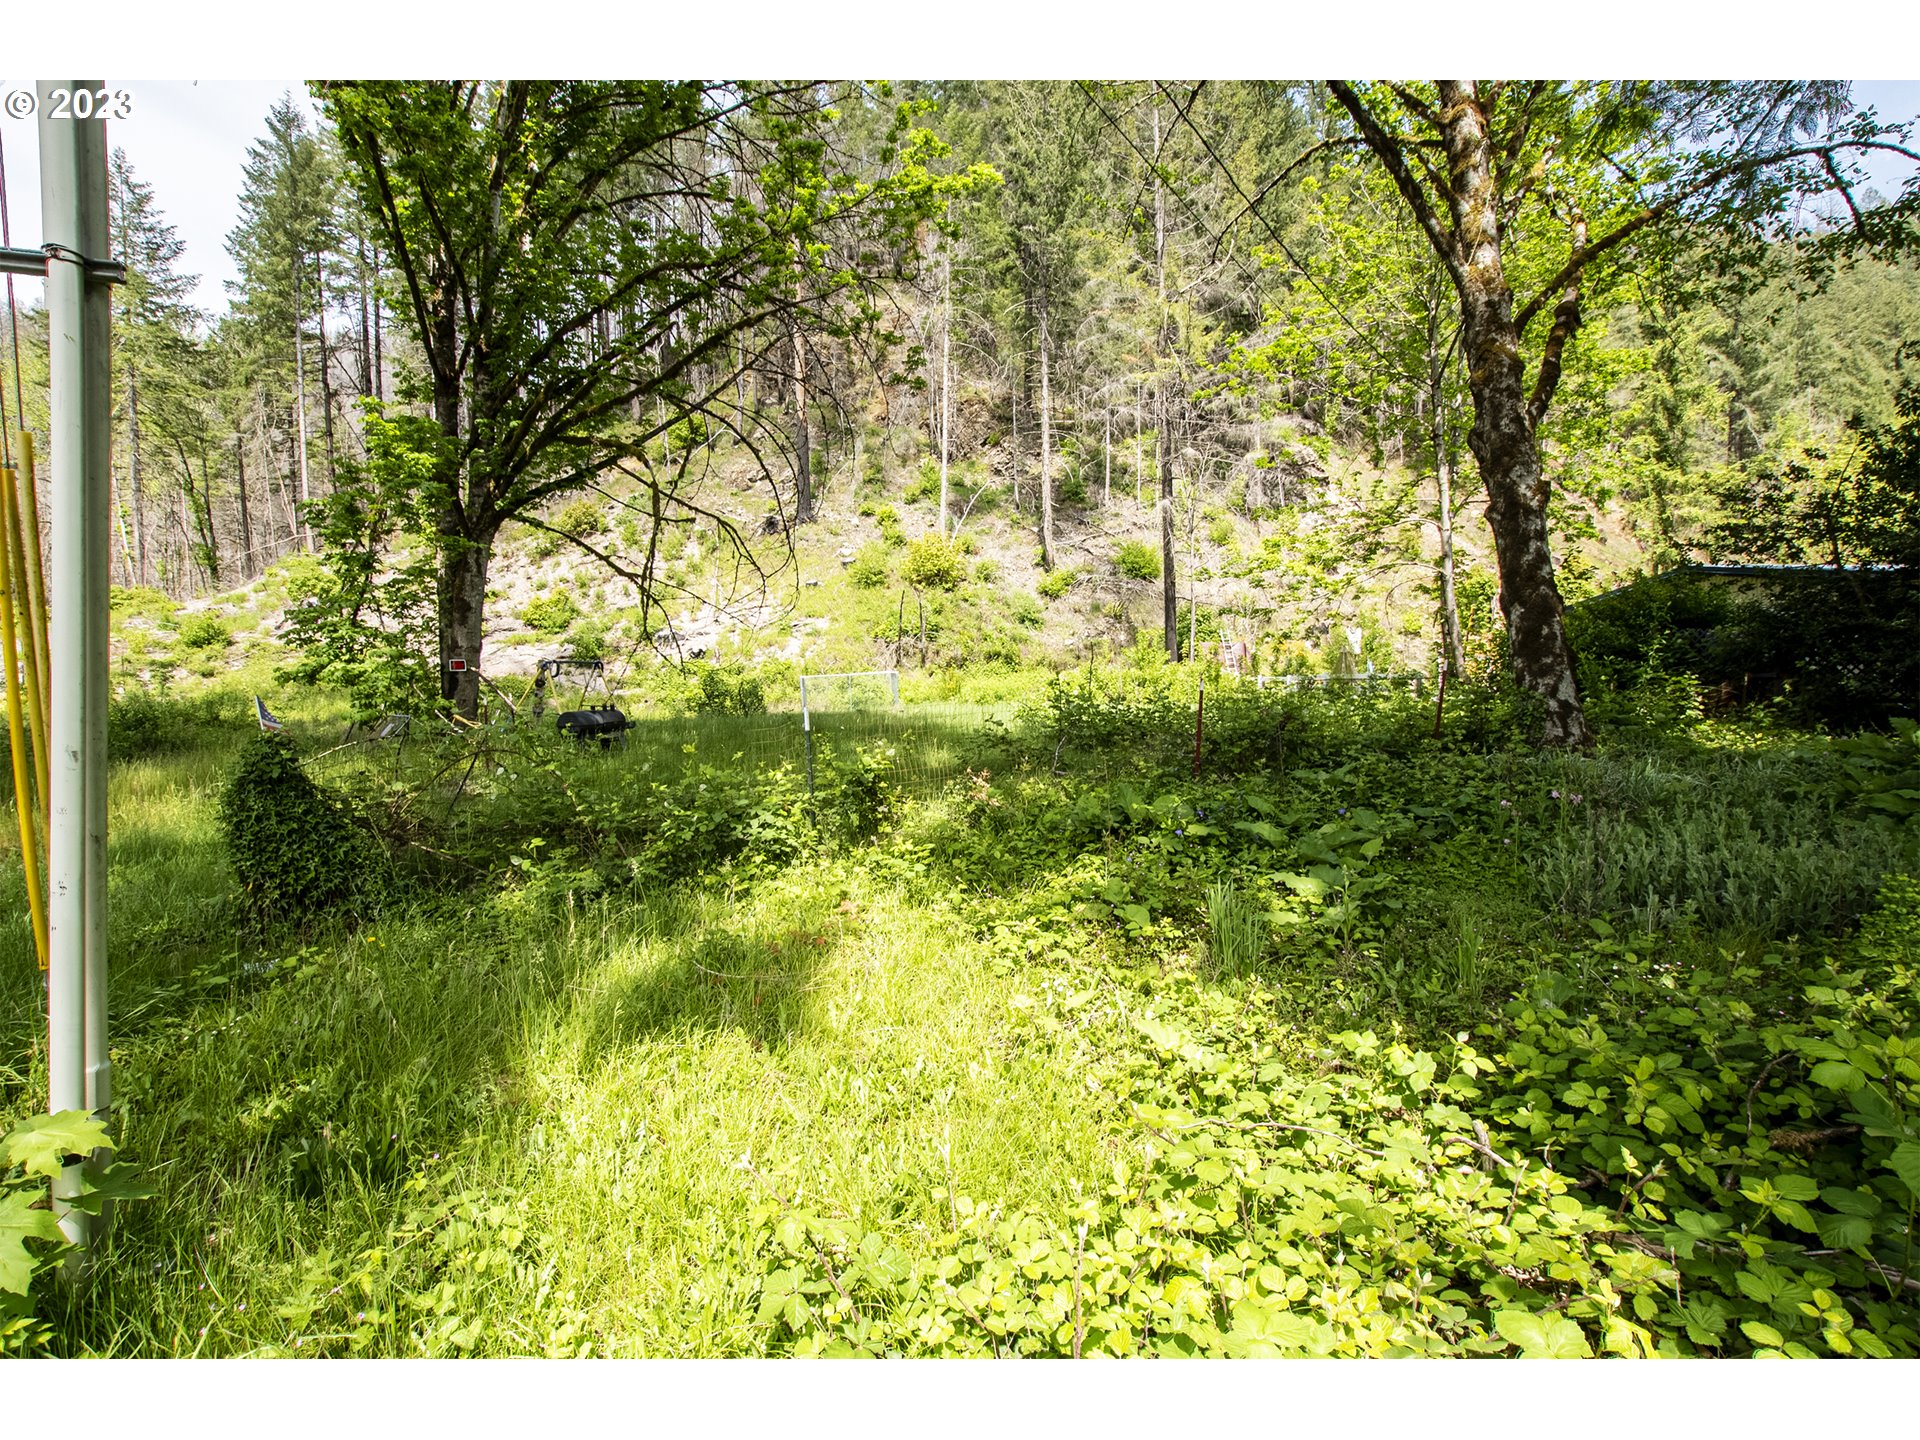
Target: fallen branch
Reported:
[(1480, 1145)]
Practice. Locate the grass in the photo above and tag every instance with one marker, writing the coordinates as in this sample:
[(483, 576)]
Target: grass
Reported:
[(628, 1079), (552, 1113)]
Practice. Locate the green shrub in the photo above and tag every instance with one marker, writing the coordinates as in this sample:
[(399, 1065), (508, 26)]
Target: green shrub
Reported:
[(582, 517), (206, 632), (550, 614), (1025, 610), (882, 513), (1138, 560), (588, 640), (141, 723), (140, 600), (858, 798), (932, 564), (294, 849), (1057, 583), (729, 690), (925, 485), (1070, 485), (687, 432), (869, 568), (986, 572)]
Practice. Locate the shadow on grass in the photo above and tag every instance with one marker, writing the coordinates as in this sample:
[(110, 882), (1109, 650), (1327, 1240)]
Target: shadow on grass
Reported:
[(758, 973)]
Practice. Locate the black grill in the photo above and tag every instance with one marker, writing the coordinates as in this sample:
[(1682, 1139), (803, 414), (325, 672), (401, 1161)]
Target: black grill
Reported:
[(601, 723)]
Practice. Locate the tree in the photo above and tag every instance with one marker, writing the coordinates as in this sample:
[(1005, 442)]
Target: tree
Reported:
[(287, 213), (1554, 188), (162, 374), (1045, 161), (1371, 333), (583, 263)]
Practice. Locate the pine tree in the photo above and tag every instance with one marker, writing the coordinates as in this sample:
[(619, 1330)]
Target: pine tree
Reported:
[(287, 224), (160, 387)]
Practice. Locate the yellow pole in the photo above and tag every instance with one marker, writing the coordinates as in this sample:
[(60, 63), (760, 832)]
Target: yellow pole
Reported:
[(22, 791), (36, 592), (23, 530)]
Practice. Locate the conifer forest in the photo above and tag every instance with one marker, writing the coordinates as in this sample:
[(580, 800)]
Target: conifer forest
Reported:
[(994, 718)]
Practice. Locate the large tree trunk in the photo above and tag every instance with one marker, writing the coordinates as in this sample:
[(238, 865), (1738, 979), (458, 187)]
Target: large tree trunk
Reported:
[(460, 599), (465, 537), (1505, 419)]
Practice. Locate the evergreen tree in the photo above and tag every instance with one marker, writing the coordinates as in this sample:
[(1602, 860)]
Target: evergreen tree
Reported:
[(159, 389), (287, 226)]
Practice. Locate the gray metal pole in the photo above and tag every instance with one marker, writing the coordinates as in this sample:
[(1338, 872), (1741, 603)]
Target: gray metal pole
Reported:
[(73, 192)]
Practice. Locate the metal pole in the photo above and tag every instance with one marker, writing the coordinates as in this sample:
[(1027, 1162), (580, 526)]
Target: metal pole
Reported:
[(806, 731), (73, 193)]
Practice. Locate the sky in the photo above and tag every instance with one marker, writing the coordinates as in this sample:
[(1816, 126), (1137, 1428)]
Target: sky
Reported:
[(186, 138), (189, 139)]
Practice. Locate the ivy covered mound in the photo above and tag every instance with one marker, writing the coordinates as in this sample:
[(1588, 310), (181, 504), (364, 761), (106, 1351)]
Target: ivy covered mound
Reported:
[(1717, 1163)]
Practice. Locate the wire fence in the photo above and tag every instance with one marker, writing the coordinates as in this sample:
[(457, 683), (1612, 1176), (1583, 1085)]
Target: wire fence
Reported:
[(922, 747)]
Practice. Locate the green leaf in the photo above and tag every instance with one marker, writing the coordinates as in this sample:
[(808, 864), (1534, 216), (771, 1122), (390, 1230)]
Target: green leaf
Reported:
[(1905, 1161), (1852, 1202), (1762, 1334), (1258, 1324), (42, 1142), (1163, 1035), (1797, 1187), (1307, 887), (1838, 1075), (116, 1182), (1844, 1232), (1542, 1337), (19, 1223), (1271, 834), (1795, 1214)]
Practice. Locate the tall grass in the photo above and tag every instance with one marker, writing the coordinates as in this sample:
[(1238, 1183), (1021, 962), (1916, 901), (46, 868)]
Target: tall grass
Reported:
[(522, 1121), (1743, 842)]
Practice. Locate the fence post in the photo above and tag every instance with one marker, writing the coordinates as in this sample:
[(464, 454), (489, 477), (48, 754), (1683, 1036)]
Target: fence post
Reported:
[(806, 731)]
